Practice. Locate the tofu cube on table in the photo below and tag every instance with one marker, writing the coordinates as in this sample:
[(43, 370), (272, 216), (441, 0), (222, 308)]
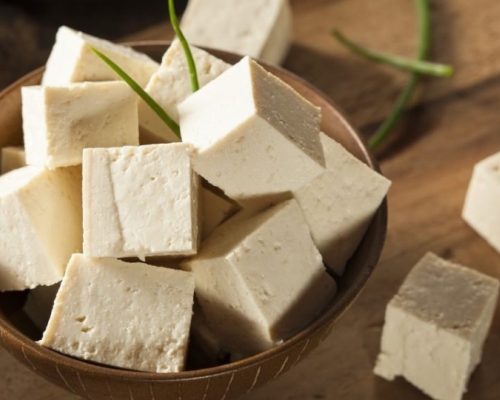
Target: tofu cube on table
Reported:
[(340, 203), (170, 85), (12, 158), (128, 315), (40, 225), (254, 135), (436, 325), (60, 121), (72, 60), (260, 280), (261, 29), (140, 201), (482, 203)]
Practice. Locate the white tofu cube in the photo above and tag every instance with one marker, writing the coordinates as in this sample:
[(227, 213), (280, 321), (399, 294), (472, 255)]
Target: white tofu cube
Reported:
[(72, 60), (59, 122), (39, 304), (140, 201), (435, 327), (40, 225), (171, 84), (259, 28), (254, 135), (482, 203), (339, 204), (12, 158), (260, 280), (128, 315), (215, 209)]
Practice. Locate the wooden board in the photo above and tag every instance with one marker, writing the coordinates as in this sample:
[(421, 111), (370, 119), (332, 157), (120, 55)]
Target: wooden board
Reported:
[(454, 124)]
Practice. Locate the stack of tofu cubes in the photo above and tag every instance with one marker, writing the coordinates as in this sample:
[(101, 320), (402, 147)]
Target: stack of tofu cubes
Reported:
[(257, 276)]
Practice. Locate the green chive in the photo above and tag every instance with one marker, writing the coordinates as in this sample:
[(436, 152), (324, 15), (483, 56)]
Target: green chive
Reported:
[(187, 51), (146, 97), (422, 67)]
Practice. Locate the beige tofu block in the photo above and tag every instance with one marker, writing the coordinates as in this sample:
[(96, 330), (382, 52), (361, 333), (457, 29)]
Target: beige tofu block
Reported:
[(39, 304), (72, 60), (215, 209), (12, 158), (140, 201), (128, 315), (171, 84), (261, 29), (40, 225), (482, 202), (254, 135), (435, 327), (59, 122), (339, 204), (260, 280)]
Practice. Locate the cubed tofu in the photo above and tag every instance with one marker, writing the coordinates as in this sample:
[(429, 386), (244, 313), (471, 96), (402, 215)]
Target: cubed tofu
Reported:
[(254, 135), (435, 327), (72, 60), (259, 28), (260, 280), (40, 225), (39, 303), (12, 158), (215, 209), (140, 201), (59, 122), (339, 204), (482, 203), (128, 315), (171, 84)]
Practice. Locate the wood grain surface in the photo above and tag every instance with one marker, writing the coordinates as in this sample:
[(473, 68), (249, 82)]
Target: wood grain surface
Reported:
[(453, 124)]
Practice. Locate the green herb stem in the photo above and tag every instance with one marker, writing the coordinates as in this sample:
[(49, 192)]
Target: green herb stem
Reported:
[(424, 28), (187, 51), (422, 67), (143, 94)]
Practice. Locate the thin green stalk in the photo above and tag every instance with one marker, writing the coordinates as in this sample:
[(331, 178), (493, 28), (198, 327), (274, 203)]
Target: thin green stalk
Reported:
[(140, 91), (424, 28), (187, 51), (422, 67)]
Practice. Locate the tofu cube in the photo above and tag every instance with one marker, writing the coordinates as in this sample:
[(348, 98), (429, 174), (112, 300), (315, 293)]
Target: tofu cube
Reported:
[(59, 122), (39, 303), (40, 225), (72, 60), (254, 135), (12, 158), (340, 203), (259, 28), (260, 280), (215, 209), (435, 327), (128, 315), (171, 84), (482, 203), (140, 201)]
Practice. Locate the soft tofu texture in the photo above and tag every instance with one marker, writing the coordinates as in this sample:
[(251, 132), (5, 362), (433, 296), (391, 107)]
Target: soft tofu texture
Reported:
[(260, 280), (140, 201), (215, 209), (435, 327), (12, 158), (259, 28), (39, 303), (40, 225), (339, 204), (72, 60), (128, 315), (254, 135), (171, 84), (482, 203), (59, 122)]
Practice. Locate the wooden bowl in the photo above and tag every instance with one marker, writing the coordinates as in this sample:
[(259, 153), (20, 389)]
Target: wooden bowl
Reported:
[(97, 382)]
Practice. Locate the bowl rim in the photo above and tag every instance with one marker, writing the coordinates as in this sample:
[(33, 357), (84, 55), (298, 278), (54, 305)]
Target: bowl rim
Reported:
[(8, 333)]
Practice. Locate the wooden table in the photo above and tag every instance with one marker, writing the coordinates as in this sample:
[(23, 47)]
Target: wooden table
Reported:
[(453, 124)]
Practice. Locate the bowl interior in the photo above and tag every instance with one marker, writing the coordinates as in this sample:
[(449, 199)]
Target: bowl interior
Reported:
[(17, 333)]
